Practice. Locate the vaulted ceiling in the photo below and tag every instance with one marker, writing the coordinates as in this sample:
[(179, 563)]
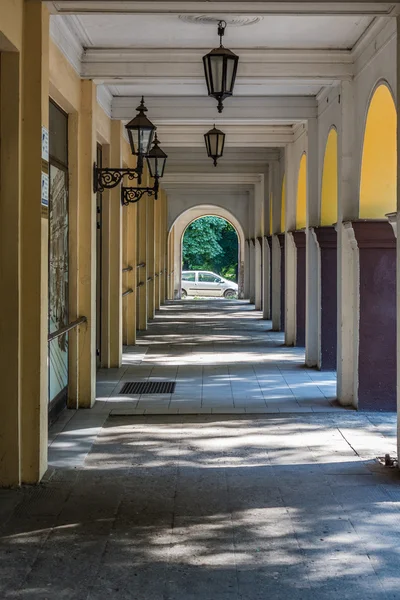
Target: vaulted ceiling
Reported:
[(290, 54)]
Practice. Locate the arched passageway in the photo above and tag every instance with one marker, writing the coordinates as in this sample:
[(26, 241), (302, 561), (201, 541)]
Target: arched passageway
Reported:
[(327, 240), (376, 361), (176, 235), (299, 238)]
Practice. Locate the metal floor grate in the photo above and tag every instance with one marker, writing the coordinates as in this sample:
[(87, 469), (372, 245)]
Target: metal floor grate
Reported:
[(148, 387)]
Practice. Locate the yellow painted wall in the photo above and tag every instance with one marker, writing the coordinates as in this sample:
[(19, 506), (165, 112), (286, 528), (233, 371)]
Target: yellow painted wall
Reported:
[(11, 24), (283, 204), (329, 194), (65, 83), (301, 198), (103, 125), (378, 168), (126, 152)]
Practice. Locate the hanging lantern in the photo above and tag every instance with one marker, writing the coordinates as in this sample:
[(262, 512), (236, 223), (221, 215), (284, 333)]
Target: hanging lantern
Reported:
[(156, 160), (140, 132), (220, 66), (215, 141)]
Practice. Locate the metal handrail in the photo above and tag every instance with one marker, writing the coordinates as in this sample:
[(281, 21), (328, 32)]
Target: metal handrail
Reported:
[(140, 265), (126, 269), (62, 330), (129, 291)]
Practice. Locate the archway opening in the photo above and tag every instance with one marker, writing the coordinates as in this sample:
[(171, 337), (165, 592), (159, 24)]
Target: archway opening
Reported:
[(301, 199), (379, 158), (329, 193), (210, 258)]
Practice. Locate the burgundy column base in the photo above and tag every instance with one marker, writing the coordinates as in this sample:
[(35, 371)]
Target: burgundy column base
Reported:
[(281, 238), (327, 240), (269, 241), (299, 238), (377, 362)]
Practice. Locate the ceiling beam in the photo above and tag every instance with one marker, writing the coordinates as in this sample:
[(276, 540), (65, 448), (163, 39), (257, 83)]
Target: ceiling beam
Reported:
[(237, 136), (221, 7), (300, 66), (185, 110)]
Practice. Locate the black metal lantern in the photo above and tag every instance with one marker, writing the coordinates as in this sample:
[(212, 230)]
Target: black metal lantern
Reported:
[(140, 132), (215, 142), (220, 67), (156, 160)]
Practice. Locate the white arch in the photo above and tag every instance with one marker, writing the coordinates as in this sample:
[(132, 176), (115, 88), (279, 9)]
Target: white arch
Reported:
[(183, 221)]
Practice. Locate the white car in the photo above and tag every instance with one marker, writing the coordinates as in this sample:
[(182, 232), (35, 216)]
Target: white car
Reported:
[(206, 283)]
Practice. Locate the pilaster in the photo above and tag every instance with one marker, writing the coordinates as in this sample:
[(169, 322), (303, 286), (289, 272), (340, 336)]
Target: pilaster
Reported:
[(115, 251), (150, 257), (311, 281), (10, 269), (34, 240), (142, 263)]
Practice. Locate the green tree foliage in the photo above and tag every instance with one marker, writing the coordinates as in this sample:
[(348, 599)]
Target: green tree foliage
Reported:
[(211, 243)]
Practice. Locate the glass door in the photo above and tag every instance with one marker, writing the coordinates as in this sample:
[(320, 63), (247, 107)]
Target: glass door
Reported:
[(58, 258)]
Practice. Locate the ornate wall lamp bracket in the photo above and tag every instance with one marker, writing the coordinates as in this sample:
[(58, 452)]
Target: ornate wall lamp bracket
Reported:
[(130, 195), (104, 178)]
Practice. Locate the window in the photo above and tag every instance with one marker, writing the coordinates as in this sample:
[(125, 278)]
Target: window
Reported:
[(208, 278), (189, 276)]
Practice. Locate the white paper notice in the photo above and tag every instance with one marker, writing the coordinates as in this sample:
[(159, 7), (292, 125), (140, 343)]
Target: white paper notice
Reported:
[(45, 144), (45, 189)]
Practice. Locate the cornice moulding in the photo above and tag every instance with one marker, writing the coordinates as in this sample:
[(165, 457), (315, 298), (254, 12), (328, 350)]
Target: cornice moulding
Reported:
[(104, 99), (267, 7), (67, 42)]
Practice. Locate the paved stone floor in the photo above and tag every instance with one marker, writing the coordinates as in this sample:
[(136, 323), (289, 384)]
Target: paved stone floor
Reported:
[(223, 358), (212, 507), (288, 505)]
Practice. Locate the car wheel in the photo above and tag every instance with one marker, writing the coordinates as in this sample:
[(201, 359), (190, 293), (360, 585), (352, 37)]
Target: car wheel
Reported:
[(229, 294), (183, 293)]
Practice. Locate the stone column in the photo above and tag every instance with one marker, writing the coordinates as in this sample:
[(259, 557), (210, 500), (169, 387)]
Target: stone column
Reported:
[(142, 261), (258, 271), (311, 257), (291, 170), (157, 257), (276, 281), (347, 250), (115, 252), (246, 290), (290, 290), (34, 245), (252, 270), (267, 280), (299, 238), (129, 277), (327, 306), (282, 243), (10, 269), (171, 260), (150, 257), (377, 315)]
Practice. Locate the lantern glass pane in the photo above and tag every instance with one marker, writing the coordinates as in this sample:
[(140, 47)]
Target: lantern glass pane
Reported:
[(230, 70), (161, 166), (213, 144), (207, 73), (156, 165), (133, 139), (217, 64), (220, 145), (145, 141)]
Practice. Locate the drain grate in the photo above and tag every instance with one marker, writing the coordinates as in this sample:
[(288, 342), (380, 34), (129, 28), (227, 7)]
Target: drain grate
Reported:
[(148, 387)]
